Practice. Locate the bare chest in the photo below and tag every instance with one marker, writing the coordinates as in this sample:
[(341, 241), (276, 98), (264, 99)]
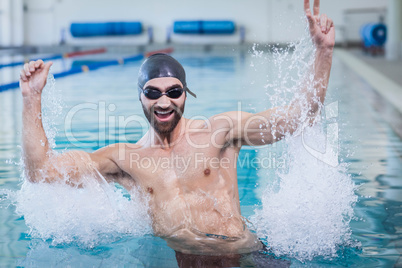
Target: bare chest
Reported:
[(182, 169)]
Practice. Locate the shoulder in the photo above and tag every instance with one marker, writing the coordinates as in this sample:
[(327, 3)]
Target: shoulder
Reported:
[(229, 119), (115, 152), (116, 147)]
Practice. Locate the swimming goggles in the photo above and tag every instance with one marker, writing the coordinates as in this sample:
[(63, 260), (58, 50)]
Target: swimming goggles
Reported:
[(154, 94)]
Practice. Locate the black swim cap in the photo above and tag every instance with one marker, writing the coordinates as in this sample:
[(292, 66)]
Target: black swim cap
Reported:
[(161, 65)]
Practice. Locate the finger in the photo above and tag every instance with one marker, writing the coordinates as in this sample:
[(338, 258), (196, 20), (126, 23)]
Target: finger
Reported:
[(330, 23), (311, 22), (22, 76), (310, 17), (47, 66), (307, 7), (323, 22), (316, 8), (39, 63), (26, 69), (31, 66)]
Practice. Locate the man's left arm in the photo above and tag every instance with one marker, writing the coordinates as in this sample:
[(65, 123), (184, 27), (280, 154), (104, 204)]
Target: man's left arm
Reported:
[(273, 124)]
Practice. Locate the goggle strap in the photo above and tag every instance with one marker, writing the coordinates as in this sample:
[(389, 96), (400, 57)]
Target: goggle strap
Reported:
[(190, 92)]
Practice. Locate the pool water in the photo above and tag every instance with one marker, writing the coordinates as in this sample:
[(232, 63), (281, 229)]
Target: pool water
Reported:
[(224, 80)]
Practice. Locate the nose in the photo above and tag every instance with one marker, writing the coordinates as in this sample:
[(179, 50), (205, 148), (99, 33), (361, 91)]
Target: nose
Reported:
[(163, 102)]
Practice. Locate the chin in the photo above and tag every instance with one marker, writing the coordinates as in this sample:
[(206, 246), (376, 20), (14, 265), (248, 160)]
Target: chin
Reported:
[(164, 127), (167, 126)]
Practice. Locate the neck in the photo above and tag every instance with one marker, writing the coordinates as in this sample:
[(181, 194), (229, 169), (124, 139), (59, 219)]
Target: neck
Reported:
[(167, 140)]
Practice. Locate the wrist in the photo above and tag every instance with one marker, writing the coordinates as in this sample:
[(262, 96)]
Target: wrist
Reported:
[(326, 50), (31, 99)]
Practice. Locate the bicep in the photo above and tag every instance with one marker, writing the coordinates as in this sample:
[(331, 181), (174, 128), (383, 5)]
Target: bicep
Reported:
[(106, 160), (73, 167), (239, 128), (271, 125), (257, 129), (68, 167), (105, 164)]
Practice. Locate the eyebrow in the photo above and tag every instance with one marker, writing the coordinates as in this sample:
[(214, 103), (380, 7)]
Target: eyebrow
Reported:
[(167, 89)]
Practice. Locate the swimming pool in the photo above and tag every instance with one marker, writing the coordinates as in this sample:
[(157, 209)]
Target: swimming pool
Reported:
[(223, 80)]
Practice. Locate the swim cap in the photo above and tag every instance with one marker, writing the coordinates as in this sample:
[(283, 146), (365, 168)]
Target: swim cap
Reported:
[(161, 65)]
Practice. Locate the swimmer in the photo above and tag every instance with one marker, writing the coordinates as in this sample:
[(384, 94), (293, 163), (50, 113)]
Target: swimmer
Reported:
[(185, 167)]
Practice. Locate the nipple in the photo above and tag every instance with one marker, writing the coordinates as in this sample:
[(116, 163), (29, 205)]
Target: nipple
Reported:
[(150, 190), (207, 172)]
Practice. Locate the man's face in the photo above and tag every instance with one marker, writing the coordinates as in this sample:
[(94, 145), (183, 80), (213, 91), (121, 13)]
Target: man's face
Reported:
[(164, 113)]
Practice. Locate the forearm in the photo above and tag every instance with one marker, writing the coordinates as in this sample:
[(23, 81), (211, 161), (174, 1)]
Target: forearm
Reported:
[(35, 144), (315, 93)]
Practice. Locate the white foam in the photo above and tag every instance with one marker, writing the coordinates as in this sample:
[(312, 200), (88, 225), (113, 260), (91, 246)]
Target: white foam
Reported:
[(52, 110), (87, 215), (309, 215)]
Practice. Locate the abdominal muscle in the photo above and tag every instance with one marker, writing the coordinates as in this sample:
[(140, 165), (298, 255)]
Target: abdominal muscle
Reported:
[(198, 224)]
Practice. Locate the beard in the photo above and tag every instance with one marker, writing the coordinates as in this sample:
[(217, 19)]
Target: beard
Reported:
[(164, 128)]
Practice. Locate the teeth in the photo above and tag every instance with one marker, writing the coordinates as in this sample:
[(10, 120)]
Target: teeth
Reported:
[(163, 112)]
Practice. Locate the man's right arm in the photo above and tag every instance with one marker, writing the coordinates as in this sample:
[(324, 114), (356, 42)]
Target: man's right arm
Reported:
[(41, 164)]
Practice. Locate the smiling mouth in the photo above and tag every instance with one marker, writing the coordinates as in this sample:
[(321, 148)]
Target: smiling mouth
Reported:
[(164, 115)]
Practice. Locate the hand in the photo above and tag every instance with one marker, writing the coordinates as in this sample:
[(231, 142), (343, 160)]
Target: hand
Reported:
[(322, 28), (33, 77)]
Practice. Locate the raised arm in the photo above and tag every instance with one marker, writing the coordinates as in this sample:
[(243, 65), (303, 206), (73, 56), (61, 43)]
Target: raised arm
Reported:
[(41, 164), (273, 124)]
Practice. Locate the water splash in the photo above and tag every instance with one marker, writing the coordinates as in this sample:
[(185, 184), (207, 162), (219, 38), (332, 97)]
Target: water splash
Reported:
[(52, 110), (307, 208), (309, 215), (89, 215)]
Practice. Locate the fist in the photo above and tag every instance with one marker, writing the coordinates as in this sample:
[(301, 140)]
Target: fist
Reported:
[(33, 77)]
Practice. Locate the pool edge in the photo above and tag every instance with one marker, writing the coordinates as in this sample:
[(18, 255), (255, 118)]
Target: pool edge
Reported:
[(385, 90)]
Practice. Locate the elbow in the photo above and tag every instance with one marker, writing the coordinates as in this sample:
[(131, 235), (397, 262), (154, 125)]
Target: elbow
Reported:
[(314, 109), (32, 176), (37, 171)]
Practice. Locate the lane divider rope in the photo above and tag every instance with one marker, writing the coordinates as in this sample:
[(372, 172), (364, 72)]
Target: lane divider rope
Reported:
[(94, 66), (57, 56)]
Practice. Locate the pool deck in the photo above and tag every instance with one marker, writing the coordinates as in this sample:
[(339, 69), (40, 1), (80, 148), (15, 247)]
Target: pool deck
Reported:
[(390, 69), (385, 77)]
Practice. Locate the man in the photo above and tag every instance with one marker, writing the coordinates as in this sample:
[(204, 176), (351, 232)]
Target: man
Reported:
[(193, 198)]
